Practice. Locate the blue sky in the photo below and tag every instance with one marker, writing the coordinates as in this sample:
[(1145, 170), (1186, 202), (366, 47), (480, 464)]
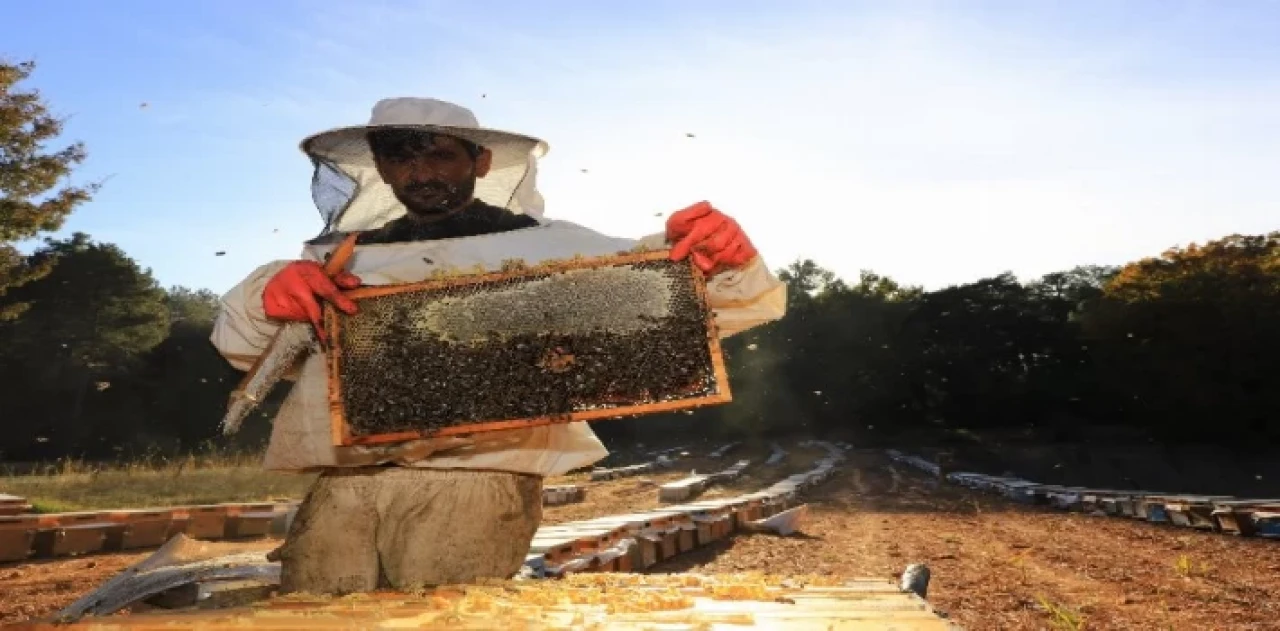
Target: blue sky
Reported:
[(936, 142)]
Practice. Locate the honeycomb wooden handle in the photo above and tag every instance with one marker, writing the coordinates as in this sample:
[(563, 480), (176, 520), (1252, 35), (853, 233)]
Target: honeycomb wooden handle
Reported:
[(241, 404), (341, 255)]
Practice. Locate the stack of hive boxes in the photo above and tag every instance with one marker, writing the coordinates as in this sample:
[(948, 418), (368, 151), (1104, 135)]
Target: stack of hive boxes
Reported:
[(69, 534), (636, 541)]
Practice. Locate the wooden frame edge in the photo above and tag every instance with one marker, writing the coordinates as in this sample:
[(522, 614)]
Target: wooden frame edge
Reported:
[(543, 421), (718, 368), (341, 435), (550, 267), (340, 432)]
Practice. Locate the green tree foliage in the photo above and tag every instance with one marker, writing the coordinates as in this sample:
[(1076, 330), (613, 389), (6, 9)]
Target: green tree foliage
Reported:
[(1188, 341), (1178, 347), (34, 198), (185, 382), (105, 363), (90, 321)]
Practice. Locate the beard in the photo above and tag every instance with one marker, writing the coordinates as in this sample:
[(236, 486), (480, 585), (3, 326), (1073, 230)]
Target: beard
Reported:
[(435, 198)]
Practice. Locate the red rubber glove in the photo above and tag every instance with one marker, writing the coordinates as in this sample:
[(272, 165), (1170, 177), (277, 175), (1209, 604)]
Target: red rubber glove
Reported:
[(294, 293), (712, 238)]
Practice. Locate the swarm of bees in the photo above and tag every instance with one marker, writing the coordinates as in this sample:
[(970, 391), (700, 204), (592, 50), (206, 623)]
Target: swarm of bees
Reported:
[(526, 346)]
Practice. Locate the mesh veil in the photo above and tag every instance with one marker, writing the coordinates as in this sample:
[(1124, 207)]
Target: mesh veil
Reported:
[(351, 196)]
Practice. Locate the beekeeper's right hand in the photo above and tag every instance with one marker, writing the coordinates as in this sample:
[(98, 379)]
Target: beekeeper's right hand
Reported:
[(294, 293)]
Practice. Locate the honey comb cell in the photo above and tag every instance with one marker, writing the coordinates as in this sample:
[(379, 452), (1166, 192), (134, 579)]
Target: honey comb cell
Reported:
[(578, 340)]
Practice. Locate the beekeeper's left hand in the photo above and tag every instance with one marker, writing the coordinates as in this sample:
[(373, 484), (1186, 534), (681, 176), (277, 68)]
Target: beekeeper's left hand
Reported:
[(712, 238)]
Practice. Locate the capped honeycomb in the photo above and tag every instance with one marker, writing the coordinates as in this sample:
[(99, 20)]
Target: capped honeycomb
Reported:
[(576, 340)]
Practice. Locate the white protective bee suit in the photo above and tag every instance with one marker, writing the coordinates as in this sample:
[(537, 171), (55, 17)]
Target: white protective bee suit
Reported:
[(452, 509)]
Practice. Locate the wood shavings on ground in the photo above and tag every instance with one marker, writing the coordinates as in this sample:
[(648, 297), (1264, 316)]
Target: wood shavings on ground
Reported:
[(601, 601)]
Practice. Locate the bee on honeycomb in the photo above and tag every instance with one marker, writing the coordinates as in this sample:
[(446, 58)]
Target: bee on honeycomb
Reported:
[(541, 343)]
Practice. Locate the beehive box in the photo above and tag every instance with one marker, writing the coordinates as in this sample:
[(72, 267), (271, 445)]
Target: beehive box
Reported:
[(249, 520), (13, 505), (17, 535), (1266, 524), (202, 522), (72, 534), (579, 340), (1236, 516), (1191, 512)]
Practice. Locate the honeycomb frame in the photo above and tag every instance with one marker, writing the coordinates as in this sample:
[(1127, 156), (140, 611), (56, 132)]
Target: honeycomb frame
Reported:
[(343, 435)]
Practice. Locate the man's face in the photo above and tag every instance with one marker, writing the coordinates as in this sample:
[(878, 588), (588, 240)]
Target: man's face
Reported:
[(432, 175)]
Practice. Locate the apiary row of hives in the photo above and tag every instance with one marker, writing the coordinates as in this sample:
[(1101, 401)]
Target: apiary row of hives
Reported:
[(67, 534), (625, 602), (693, 485), (636, 541), (26, 536), (612, 543), (590, 559), (1218, 513)]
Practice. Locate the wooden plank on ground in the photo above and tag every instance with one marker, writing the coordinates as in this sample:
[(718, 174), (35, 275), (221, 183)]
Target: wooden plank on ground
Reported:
[(13, 505), (17, 536), (683, 489), (626, 603)]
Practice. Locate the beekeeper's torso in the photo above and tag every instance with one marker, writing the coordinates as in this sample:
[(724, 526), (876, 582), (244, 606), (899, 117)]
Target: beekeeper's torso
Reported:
[(302, 437), (351, 195)]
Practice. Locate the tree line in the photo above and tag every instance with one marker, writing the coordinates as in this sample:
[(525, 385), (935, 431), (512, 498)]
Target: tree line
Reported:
[(1180, 347), (99, 361)]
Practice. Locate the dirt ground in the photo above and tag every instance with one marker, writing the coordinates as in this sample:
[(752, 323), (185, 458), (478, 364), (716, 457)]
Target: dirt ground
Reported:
[(995, 565)]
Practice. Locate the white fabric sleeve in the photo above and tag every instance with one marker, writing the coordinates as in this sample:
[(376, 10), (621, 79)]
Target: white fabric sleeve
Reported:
[(242, 329), (742, 298)]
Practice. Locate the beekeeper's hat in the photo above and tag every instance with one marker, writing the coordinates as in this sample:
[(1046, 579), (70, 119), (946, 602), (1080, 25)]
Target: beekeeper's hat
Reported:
[(351, 196)]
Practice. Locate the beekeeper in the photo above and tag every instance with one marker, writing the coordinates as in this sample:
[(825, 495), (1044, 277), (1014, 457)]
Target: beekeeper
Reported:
[(428, 189)]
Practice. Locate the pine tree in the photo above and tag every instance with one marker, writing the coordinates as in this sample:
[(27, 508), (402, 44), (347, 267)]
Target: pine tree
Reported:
[(34, 197)]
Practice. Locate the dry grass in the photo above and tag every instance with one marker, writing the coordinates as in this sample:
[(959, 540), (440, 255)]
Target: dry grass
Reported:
[(75, 485), (155, 481)]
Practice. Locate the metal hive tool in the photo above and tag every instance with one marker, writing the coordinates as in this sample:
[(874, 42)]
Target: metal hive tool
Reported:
[(291, 342), (577, 340)]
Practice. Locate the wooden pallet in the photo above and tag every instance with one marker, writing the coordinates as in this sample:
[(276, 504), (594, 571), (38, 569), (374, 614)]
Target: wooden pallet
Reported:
[(605, 601), (1215, 513), (13, 505), (1237, 516), (69, 534)]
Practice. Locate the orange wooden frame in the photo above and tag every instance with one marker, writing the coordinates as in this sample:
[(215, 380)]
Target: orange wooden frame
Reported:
[(341, 430)]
